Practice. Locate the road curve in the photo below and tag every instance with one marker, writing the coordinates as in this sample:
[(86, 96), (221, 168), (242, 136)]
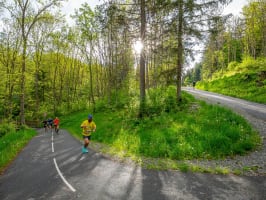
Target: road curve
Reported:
[(245, 108), (34, 176), (255, 113)]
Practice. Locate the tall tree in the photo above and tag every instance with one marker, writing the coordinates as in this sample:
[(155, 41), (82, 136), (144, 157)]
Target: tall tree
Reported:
[(85, 21), (255, 28), (180, 50), (24, 11), (9, 59), (192, 18), (142, 57), (38, 42)]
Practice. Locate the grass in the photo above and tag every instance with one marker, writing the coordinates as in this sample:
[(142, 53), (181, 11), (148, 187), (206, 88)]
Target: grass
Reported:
[(210, 133), (12, 143), (163, 140), (197, 131), (243, 85)]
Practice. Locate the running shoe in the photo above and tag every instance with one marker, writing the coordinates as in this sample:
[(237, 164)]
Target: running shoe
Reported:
[(84, 150)]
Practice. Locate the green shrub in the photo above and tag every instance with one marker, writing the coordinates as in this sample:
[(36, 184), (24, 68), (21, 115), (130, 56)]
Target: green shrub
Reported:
[(101, 105), (246, 85), (6, 128), (232, 65)]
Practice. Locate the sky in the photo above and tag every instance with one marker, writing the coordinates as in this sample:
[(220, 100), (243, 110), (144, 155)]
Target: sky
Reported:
[(235, 7), (69, 7)]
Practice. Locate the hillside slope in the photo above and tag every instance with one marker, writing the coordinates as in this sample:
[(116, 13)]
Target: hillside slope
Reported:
[(246, 80)]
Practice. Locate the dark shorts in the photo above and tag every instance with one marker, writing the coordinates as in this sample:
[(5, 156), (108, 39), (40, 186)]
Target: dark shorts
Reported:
[(89, 137)]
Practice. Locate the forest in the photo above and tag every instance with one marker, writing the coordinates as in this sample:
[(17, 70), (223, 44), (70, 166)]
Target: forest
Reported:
[(125, 62), (50, 68)]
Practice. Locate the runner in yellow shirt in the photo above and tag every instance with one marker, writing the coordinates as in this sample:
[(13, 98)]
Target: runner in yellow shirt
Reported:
[(88, 126)]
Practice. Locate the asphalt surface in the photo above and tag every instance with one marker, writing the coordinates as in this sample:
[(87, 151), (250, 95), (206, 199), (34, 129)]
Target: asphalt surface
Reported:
[(245, 108), (52, 167)]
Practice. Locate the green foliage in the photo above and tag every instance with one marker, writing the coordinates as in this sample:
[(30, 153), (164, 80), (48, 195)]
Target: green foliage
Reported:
[(254, 37), (160, 100), (116, 100), (6, 128), (193, 75), (12, 143), (237, 40), (194, 130), (243, 80), (247, 86), (101, 105), (252, 65), (232, 65)]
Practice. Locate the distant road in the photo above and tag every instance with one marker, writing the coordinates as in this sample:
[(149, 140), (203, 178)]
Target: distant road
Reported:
[(245, 108)]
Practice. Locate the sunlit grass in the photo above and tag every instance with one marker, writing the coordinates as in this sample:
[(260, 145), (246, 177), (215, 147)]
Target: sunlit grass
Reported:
[(197, 131)]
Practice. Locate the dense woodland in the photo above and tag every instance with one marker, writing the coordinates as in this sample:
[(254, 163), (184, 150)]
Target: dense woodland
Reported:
[(234, 41), (50, 68)]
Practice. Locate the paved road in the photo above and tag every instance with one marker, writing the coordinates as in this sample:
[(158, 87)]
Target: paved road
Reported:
[(52, 167), (245, 108)]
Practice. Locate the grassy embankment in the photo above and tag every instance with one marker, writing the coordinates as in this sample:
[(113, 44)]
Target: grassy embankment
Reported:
[(246, 80), (11, 142), (192, 130)]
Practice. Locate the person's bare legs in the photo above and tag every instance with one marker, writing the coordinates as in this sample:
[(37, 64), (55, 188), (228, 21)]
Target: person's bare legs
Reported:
[(86, 143)]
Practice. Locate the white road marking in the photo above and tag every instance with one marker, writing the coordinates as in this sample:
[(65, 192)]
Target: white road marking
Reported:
[(52, 147), (52, 142), (58, 170), (63, 178), (82, 158)]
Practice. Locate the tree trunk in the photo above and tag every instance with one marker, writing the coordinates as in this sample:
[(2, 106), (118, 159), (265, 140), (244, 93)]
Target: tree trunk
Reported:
[(91, 80), (22, 81), (179, 50), (142, 59)]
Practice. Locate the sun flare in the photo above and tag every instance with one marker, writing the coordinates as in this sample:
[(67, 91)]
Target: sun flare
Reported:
[(138, 46)]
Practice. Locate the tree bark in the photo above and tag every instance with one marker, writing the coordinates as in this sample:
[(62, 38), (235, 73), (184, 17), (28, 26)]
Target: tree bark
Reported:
[(142, 59), (179, 51)]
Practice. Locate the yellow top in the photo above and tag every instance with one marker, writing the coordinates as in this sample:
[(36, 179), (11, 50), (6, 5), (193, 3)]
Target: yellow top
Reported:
[(88, 127)]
